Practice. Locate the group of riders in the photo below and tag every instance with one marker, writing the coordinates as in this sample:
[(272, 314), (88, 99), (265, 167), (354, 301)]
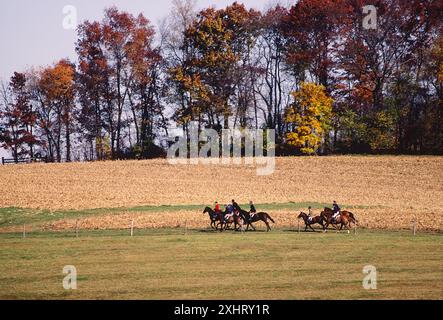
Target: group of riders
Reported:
[(335, 217), (335, 209), (233, 208), (233, 213)]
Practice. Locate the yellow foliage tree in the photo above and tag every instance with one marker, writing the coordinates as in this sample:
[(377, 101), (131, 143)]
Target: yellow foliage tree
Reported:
[(308, 117)]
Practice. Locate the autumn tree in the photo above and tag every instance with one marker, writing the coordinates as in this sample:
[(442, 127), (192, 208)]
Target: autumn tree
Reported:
[(308, 117), (372, 60), (93, 87), (120, 83), (145, 90), (17, 118), (314, 29), (218, 41), (57, 94)]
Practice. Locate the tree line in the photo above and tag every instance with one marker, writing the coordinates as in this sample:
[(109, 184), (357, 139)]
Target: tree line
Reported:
[(311, 71)]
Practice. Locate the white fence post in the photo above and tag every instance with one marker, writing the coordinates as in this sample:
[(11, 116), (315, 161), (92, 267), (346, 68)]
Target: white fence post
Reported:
[(132, 227), (24, 230)]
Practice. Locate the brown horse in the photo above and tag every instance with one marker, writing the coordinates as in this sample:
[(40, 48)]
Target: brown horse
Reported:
[(259, 216), (236, 220), (309, 221), (345, 218)]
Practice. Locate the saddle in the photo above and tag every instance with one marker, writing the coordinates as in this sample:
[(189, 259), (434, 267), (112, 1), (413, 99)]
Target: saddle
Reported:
[(335, 216)]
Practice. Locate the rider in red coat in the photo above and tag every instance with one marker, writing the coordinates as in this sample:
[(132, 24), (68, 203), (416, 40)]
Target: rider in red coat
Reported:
[(218, 211)]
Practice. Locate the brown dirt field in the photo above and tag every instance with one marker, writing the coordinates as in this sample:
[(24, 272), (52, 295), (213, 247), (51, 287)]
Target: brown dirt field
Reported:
[(403, 182), (403, 186)]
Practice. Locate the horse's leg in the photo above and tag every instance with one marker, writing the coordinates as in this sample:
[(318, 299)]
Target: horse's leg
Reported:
[(347, 225), (310, 226), (326, 225), (268, 227), (336, 228), (341, 226), (240, 224)]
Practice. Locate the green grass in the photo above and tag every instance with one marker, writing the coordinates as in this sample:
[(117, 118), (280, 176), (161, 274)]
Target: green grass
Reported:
[(18, 216), (167, 264)]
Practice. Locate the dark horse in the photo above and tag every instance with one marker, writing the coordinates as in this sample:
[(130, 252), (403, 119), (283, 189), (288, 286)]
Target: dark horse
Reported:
[(345, 218), (310, 221), (214, 217), (222, 224), (259, 216)]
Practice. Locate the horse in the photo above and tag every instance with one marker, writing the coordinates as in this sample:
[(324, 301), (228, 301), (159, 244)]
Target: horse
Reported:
[(235, 219), (345, 218), (214, 218), (348, 214), (259, 216), (310, 221)]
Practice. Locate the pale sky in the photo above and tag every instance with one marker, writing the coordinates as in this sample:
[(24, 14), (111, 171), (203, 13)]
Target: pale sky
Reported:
[(32, 33)]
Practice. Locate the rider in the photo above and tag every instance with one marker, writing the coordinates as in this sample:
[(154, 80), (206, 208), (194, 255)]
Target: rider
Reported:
[(229, 211), (237, 208), (218, 211), (336, 210), (310, 214), (252, 211)]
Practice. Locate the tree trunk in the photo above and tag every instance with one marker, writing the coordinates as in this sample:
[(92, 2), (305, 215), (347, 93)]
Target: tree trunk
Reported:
[(68, 143)]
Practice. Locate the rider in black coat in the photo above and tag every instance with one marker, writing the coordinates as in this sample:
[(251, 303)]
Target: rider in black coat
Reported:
[(236, 206), (336, 209)]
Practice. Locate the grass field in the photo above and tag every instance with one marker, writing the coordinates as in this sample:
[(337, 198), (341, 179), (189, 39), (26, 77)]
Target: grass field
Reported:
[(386, 193), (166, 264)]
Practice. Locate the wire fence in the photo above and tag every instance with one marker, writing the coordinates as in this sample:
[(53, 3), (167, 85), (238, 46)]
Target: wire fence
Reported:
[(77, 230)]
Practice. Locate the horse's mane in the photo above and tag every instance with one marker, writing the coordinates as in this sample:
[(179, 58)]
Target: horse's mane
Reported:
[(243, 210), (208, 209)]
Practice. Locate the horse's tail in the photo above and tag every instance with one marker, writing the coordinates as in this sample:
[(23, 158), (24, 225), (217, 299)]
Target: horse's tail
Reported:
[(351, 215), (269, 217)]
